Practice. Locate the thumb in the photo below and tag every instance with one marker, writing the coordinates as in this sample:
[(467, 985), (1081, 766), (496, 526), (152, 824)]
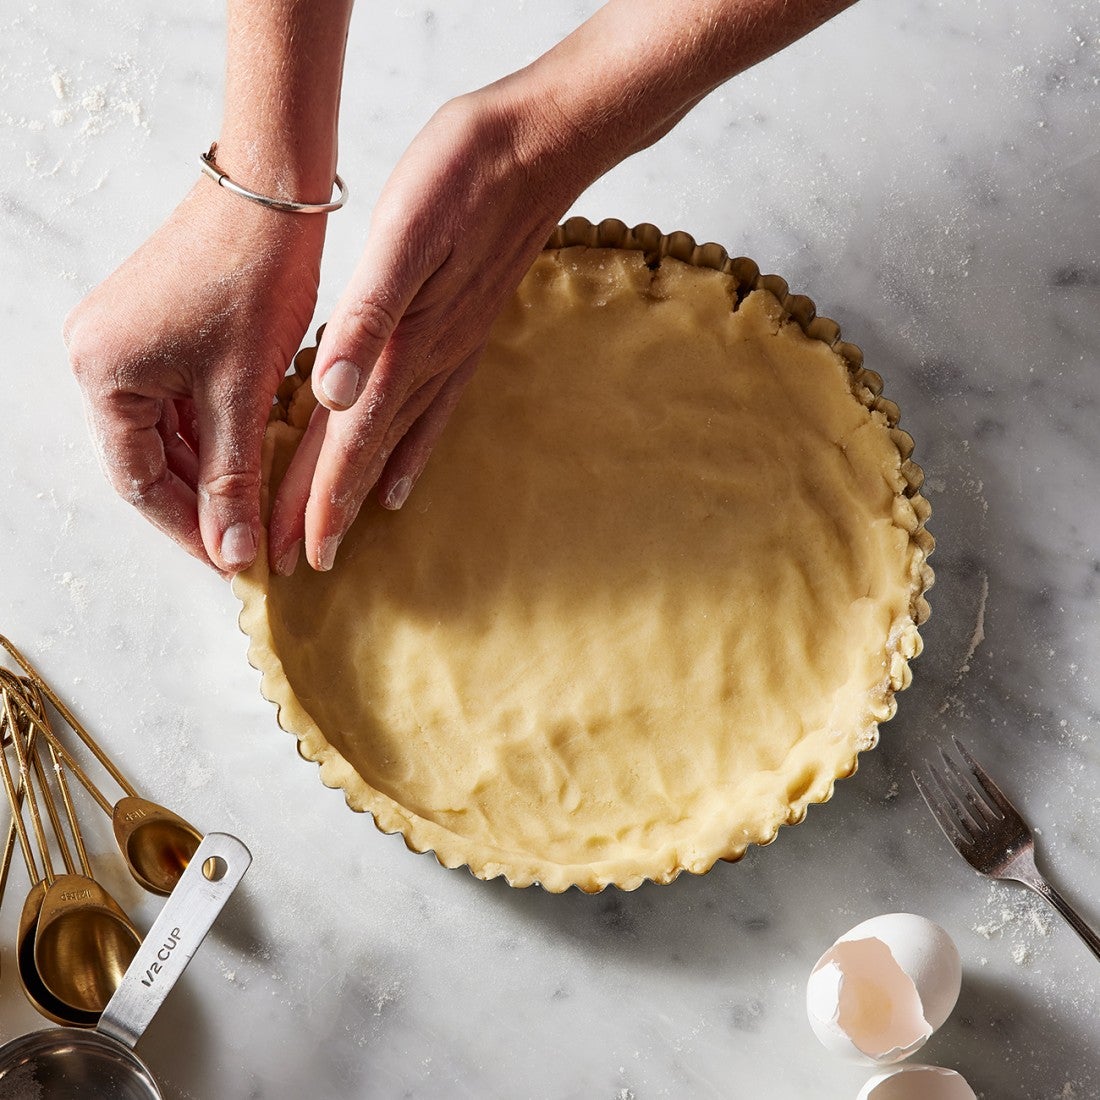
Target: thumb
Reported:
[(231, 428)]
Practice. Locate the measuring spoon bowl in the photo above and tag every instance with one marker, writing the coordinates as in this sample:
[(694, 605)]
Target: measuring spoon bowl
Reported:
[(34, 989), (156, 843), (84, 943)]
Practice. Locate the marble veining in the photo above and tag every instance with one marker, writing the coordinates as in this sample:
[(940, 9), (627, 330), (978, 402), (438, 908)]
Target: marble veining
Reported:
[(928, 173)]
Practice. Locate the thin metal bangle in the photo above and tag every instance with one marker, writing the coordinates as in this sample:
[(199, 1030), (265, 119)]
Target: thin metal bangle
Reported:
[(211, 169)]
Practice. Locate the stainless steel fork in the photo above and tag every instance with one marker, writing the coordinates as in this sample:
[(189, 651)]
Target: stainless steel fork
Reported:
[(989, 833)]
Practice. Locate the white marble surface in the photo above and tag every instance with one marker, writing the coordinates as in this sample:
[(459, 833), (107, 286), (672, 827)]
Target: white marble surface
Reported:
[(929, 173)]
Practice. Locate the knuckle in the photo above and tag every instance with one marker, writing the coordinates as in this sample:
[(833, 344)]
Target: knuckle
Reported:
[(352, 452), (84, 355), (80, 319), (371, 322), (68, 326), (138, 486), (93, 357), (232, 485)]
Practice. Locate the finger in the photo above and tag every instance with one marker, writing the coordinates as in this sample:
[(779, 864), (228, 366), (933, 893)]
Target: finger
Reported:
[(351, 457), (410, 456), (181, 460), (231, 424), (391, 270), (347, 471), (125, 432), (286, 528)]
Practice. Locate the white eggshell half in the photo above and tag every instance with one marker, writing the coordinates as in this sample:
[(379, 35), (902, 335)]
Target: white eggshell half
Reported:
[(925, 952), (917, 1083), (883, 988)]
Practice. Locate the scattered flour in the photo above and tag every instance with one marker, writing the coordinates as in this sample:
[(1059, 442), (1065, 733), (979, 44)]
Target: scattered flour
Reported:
[(1040, 921), (978, 636), (77, 588), (1022, 921), (388, 995), (989, 929), (95, 100)]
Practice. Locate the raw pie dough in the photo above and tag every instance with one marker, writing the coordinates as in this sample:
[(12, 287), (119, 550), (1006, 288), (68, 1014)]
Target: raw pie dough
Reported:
[(652, 595)]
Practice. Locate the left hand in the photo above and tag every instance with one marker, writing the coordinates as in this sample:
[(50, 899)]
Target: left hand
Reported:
[(178, 355)]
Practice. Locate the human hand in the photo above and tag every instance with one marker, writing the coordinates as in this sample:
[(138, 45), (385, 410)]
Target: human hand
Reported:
[(461, 219), (179, 354)]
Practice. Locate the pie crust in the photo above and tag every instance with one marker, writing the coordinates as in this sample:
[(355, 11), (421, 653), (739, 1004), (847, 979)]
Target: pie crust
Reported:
[(652, 596)]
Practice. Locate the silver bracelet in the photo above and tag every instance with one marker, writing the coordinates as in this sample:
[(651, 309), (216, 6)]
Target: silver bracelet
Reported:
[(211, 169)]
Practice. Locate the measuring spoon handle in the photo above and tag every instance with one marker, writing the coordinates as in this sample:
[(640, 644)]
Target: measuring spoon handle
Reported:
[(182, 925)]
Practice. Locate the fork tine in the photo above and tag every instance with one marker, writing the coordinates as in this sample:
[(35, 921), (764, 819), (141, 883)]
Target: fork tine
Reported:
[(966, 820), (987, 784), (943, 816), (986, 815)]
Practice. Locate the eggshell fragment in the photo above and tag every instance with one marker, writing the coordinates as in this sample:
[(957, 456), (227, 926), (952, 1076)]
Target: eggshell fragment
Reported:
[(917, 1083), (883, 988)]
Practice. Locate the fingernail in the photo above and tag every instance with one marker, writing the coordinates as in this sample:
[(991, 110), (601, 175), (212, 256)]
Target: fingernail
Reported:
[(238, 545), (289, 561), (399, 493), (340, 383), (326, 555)]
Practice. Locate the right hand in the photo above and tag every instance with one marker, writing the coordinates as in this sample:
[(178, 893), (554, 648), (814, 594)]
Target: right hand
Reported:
[(462, 217), (178, 355)]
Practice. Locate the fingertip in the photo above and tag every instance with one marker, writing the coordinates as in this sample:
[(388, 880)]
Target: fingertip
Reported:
[(287, 561), (337, 386), (398, 493), (237, 547), (325, 532), (325, 556)]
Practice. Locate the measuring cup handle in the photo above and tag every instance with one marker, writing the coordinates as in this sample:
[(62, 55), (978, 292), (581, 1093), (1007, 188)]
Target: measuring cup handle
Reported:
[(175, 936)]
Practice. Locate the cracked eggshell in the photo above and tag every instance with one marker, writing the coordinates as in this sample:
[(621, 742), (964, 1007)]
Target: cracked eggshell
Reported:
[(883, 988), (917, 1083)]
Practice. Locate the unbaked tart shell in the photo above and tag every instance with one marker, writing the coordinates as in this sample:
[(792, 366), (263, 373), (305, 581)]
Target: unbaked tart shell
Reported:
[(657, 587)]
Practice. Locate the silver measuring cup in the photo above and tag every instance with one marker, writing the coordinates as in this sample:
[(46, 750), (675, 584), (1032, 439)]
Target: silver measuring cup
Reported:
[(100, 1064)]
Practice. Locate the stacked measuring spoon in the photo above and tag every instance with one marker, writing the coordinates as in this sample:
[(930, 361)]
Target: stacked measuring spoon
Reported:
[(74, 940)]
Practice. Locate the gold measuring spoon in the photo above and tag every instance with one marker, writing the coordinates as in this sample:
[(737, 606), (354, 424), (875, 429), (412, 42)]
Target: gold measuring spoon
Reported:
[(84, 941), (34, 988), (29, 979), (156, 843), (34, 698), (122, 955), (9, 844)]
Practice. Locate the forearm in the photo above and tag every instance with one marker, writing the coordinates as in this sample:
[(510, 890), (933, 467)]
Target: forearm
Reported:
[(284, 67), (633, 70)]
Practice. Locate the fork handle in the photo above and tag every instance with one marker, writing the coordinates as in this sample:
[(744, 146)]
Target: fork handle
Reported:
[(1044, 889)]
